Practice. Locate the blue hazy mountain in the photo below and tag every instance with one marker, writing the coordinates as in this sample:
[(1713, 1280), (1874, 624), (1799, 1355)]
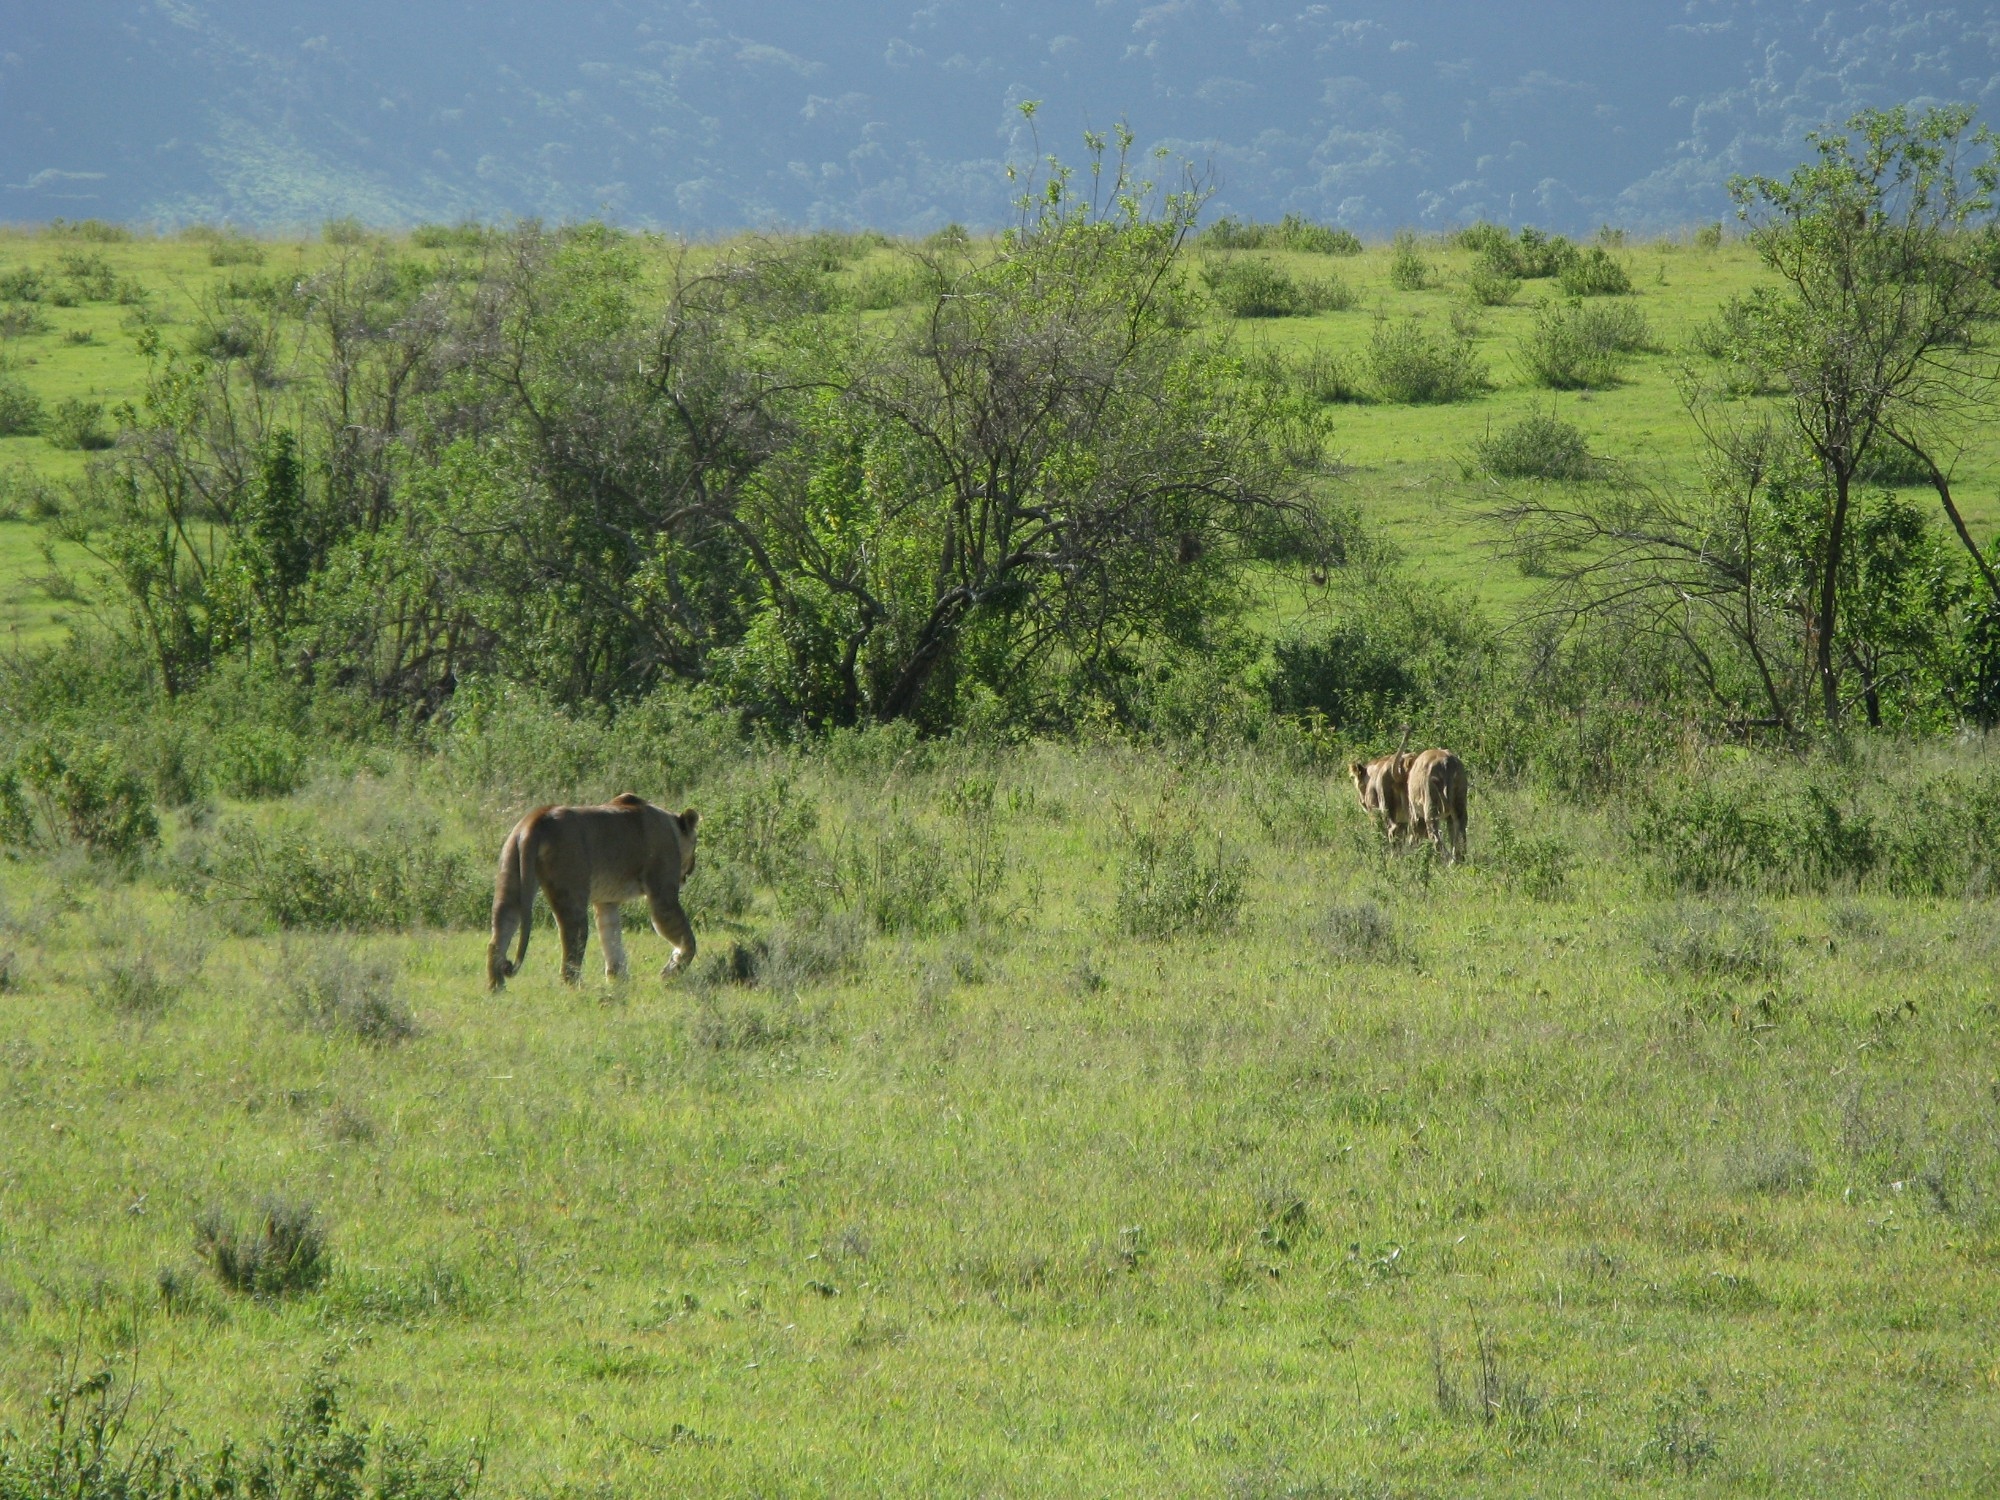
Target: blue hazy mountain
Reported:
[(710, 115)]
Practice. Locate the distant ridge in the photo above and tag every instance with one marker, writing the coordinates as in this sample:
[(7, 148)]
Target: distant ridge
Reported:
[(701, 117)]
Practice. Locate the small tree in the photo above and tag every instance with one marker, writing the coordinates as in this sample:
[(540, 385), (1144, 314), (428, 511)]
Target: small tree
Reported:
[(1885, 245)]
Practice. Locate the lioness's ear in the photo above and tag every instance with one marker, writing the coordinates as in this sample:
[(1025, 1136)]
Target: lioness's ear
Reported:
[(688, 819), (1357, 770)]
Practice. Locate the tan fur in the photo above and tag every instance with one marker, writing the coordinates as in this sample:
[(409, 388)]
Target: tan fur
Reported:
[(584, 857), (1437, 793), (1382, 784)]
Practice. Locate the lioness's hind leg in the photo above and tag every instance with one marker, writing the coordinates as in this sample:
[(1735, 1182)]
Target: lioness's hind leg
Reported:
[(671, 923), (573, 922), (611, 933)]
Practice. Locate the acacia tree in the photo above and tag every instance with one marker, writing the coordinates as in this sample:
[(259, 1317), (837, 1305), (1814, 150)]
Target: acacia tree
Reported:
[(1042, 465), (1878, 336)]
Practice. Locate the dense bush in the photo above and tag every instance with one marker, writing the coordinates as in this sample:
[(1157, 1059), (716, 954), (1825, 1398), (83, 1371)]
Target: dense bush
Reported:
[(1293, 233), (61, 790), (1540, 445), (76, 424), (1409, 361), (298, 877), (1579, 346), (1906, 832), (1595, 273), (235, 250), (22, 284), (20, 408), (1342, 672), (1256, 288), (1409, 271)]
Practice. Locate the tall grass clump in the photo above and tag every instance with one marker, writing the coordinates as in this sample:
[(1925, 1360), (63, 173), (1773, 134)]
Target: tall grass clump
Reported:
[(281, 1251), (330, 988), (88, 1445), (1172, 881), (1540, 445), (1711, 941), (1411, 362)]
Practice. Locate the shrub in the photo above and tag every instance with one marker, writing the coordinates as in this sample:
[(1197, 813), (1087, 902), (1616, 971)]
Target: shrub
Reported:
[(332, 989), (1408, 270), (1595, 273), (345, 230), (89, 276), (76, 425), (1491, 287), (300, 878), (1294, 233), (1576, 347), (86, 1448), (284, 1249), (1708, 237), (1172, 882), (1411, 363), (1360, 932), (1484, 238), (255, 760), (64, 792), (235, 250), (22, 284), (1254, 288), (1539, 446), (1534, 254), (95, 230), (466, 234), (20, 408), (1702, 940), (1343, 673), (22, 320)]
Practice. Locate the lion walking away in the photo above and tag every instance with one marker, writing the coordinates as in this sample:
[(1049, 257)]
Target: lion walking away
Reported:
[(1438, 793), (593, 857), (1416, 798)]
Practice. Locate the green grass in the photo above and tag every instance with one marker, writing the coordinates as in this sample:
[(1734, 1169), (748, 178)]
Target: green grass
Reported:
[(1036, 1206)]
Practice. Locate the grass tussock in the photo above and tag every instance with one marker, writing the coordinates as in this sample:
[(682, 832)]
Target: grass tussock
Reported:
[(281, 1251)]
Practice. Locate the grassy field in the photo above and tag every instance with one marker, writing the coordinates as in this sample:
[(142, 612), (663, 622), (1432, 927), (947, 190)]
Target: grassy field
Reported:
[(1038, 1120), (1521, 1178)]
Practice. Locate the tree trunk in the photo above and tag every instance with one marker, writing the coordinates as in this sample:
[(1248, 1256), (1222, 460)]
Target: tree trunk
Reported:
[(1829, 600)]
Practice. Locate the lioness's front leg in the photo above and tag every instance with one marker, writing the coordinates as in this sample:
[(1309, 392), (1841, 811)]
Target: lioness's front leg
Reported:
[(611, 933), (671, 923)]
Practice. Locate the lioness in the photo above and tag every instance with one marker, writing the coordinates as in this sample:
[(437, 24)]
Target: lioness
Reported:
[(593, 856), (1382, 784), (1437, 791)]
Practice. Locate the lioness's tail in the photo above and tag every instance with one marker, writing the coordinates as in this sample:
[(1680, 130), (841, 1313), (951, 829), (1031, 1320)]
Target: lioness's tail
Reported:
[(530, 837)]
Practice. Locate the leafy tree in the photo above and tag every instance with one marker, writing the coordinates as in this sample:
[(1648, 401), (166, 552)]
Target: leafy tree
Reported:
[(1879, 335)]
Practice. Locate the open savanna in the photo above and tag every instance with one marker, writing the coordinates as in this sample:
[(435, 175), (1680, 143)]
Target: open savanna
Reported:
[(1038, 1120), (1113, 1117)]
